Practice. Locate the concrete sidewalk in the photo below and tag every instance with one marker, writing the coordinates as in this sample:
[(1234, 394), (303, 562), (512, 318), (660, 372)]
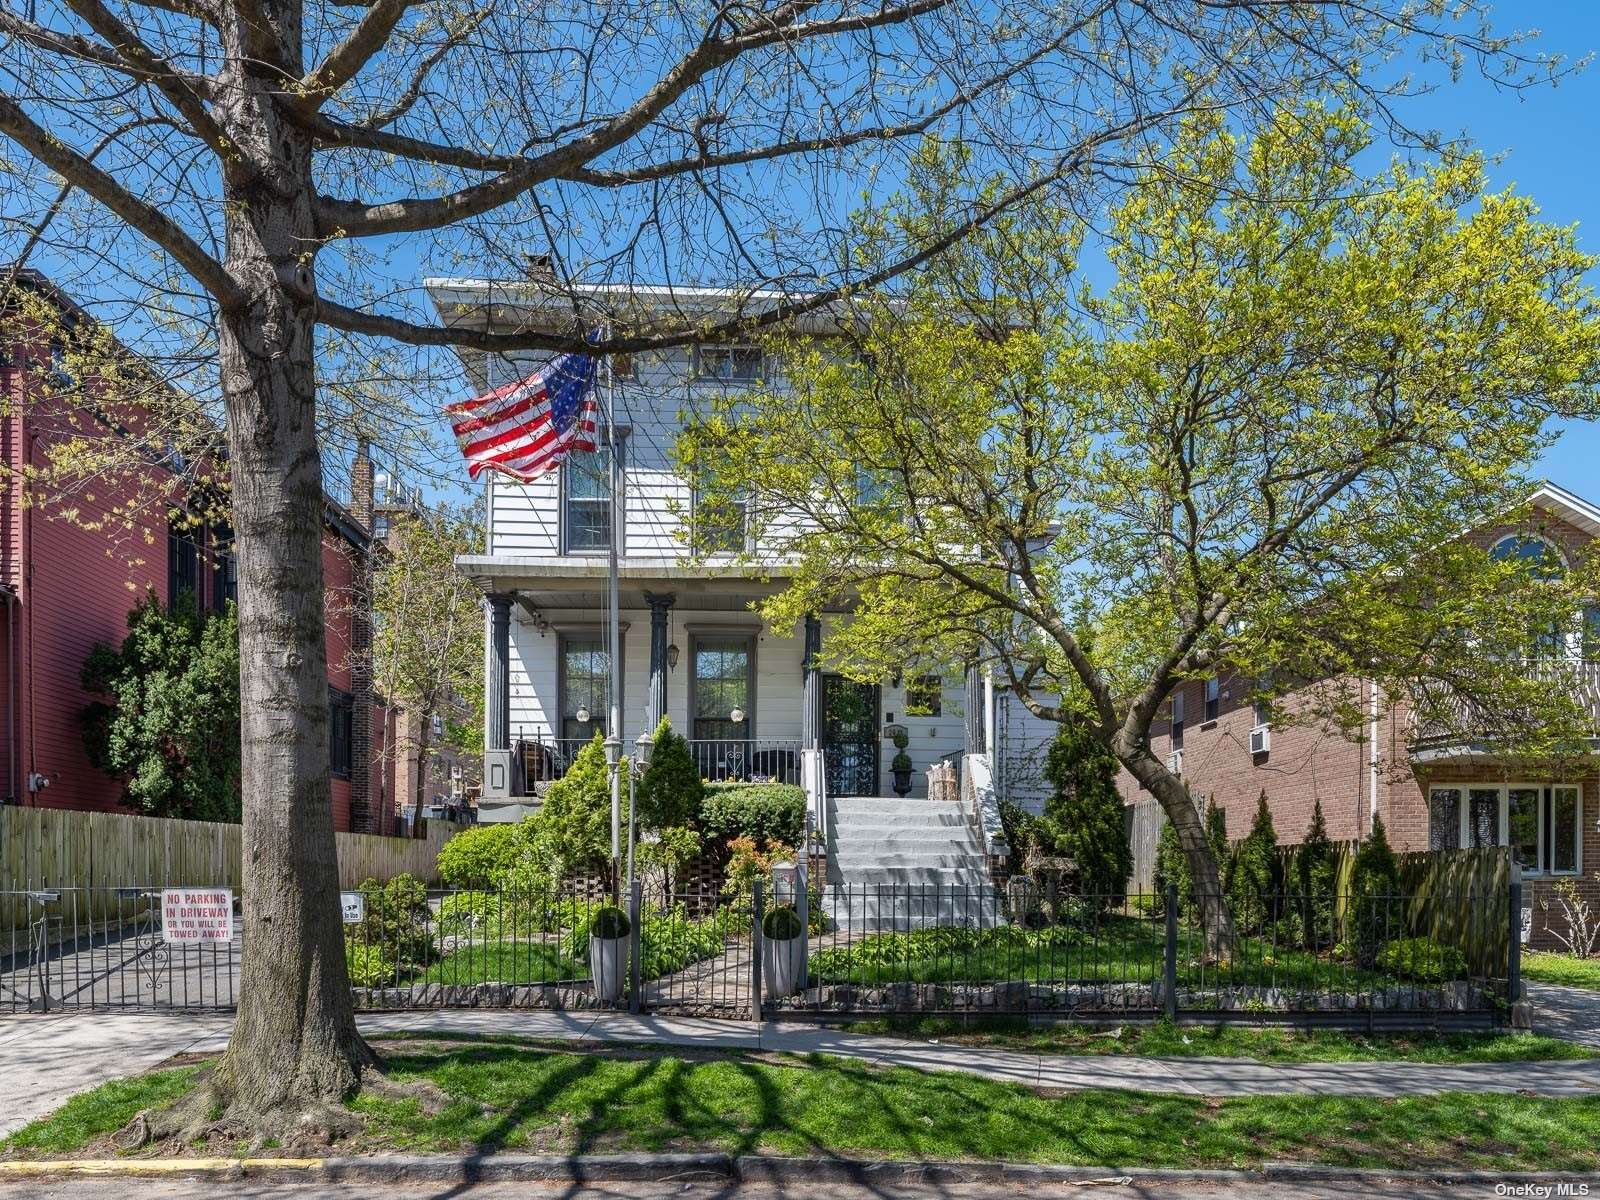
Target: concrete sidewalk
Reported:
[(44, 1059)]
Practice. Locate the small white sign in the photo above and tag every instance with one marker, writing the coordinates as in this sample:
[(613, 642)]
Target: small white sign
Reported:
[(354, 905), (196, 915), (1527, 925)]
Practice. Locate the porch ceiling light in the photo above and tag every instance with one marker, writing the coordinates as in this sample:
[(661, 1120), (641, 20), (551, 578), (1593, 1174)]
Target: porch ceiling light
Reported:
[(737, 716), (582, 715), (672, 657), (643, 748)]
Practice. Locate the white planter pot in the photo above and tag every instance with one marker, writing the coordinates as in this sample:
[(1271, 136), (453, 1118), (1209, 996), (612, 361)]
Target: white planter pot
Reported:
[(608, 968), (781, 965)]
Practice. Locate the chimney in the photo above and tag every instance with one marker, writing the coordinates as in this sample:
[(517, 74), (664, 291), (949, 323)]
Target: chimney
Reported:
[(361, 486), (364, 816)]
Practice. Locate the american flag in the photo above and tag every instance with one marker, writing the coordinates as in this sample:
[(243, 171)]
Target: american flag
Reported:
[(527, 427)]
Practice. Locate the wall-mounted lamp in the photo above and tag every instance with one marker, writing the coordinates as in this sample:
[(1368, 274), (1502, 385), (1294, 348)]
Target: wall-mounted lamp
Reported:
[(672, 657)]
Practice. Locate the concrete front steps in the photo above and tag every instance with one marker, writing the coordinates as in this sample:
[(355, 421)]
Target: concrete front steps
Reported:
[(905, 864)]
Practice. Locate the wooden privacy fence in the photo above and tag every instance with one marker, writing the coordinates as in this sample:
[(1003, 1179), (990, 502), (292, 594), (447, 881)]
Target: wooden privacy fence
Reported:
[(1436, 883), (59, 848)]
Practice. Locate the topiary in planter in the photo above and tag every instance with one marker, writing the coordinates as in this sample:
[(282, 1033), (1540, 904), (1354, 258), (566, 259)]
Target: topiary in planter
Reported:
[(781, 924), (609, 922)]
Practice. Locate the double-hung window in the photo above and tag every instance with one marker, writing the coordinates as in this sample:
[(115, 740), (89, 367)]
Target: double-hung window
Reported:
[(1177, 721), (584, 685), (924, 696), (586, 501), (721, 527), (729, 364), (1213, 698), (183, 559), (341, 722)]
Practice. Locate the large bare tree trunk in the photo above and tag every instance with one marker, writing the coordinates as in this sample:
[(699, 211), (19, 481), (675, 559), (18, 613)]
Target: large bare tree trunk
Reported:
[(1173, 795), (294, 1048)]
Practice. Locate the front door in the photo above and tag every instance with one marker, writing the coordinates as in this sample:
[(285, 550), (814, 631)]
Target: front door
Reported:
[(850, 736)]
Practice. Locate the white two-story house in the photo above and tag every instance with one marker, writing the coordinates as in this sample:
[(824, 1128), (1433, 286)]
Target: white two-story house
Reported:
[(750, 698)]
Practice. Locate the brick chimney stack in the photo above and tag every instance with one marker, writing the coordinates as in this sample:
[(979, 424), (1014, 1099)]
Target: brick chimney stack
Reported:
[(364, 815)]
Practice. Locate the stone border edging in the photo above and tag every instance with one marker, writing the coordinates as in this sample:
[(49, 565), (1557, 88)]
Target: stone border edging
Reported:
[(744, 1169)]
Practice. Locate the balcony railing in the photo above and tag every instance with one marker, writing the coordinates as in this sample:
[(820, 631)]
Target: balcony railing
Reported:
[(776, 760), (1462, 720)]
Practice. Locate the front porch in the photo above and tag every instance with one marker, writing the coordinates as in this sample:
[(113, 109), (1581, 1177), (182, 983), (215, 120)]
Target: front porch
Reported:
[(749, 698)]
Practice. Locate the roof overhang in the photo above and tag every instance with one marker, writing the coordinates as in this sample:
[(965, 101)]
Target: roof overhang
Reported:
[(1571, 508)]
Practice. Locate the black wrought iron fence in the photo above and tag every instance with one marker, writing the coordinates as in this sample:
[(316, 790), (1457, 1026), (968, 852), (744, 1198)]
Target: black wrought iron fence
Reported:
[(974, 949), (111, 948)]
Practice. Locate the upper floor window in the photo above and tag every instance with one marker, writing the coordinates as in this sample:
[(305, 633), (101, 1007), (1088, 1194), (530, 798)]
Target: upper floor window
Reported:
[(61, 375), (924, 696), (224, 568), (1177, 721), (1213, 697), (1541, 557), (183, 559), (586, 501), (720, 528), (729, 364), (341, 723)]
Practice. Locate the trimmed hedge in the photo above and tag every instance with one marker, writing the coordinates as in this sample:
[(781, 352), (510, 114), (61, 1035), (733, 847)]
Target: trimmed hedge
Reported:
[(767, 813)]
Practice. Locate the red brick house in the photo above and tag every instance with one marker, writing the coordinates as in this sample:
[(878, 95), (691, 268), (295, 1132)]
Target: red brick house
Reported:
[(68, 579), (1432, 791)]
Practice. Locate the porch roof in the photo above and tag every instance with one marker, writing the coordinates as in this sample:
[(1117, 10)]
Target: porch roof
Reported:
[(580, 581)]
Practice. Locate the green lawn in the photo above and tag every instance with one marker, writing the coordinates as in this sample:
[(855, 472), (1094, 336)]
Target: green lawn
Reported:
[(505, 962), (1561, 968), (1264, 1043), (561, 1101), (1117, 949), (95, 1113)]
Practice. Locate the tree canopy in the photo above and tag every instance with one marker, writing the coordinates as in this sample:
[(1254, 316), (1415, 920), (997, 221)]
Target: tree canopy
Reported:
[(1254, 449)]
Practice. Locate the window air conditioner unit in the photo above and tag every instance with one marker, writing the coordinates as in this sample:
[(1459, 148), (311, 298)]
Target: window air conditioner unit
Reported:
[(1260, 739), (1175, 762)]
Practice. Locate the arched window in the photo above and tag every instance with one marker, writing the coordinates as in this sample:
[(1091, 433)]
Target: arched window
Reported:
[(1543, 557)]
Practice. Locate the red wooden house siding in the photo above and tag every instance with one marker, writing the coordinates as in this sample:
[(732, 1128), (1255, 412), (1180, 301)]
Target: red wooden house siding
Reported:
[(69, 586)]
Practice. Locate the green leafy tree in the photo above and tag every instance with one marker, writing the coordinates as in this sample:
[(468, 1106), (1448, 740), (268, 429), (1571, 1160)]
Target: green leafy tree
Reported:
[(1256, 885), (670, 793), (427, 638), (1084, 816), (1254, 449), (168, 725)]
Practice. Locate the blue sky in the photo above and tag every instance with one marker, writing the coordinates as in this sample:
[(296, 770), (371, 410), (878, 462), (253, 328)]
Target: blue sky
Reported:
[(1550, 140)]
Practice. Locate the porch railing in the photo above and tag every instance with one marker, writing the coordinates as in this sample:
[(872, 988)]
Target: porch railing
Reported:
[(1446, 719), (776, 760)]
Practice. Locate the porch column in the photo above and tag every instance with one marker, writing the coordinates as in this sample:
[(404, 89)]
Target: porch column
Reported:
[(974, 706), (497, 725), (811, 695), (655, 704)]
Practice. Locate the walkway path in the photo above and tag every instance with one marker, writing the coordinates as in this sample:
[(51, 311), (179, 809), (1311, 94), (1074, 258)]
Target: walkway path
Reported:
[(44, 1059), (1566, 1012)]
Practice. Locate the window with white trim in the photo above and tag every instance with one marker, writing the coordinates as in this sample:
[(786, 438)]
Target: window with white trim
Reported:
[(1542, 823), (729, 364), (1213, 697)]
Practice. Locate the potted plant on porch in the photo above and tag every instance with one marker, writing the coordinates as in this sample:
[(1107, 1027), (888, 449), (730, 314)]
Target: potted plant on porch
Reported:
[(608, 952), (900, 767), (783, 951)]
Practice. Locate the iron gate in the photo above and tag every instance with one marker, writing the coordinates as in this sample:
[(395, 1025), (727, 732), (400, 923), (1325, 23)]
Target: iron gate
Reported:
[(850, 735)]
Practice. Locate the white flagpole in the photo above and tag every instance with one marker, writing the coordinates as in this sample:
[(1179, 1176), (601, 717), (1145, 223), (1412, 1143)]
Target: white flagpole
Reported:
[(614, 717)]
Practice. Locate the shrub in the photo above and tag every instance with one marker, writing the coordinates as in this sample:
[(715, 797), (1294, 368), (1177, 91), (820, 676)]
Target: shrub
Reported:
[(668, 940), (671, 792), (1172, 864), (609, 922), (1083, 818), (575, 821), (1373, 883), (480, 856), (1254, 886), (1019, 827), (963, 951), (747, 863), (1314, 879), (396, 924), (1421, 959), (781, 924), (369, 965), (769, 814)]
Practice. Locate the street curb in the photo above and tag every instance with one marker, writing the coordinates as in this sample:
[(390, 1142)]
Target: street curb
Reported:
[(509, 1168)]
